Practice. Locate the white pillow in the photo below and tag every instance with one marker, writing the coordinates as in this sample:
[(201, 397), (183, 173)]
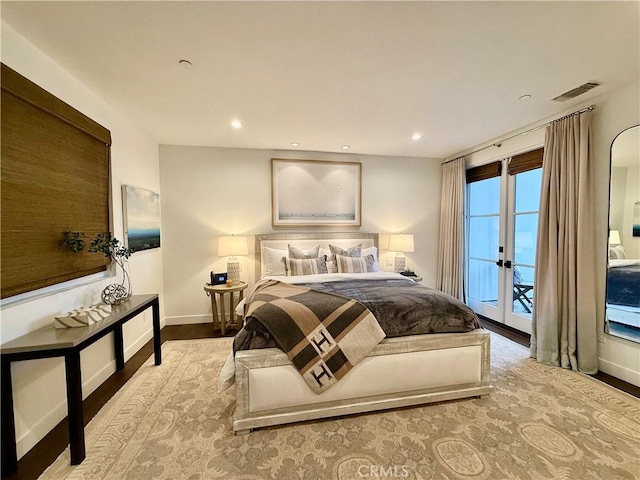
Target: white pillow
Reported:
[(370, 251), (272, 261), (620, 252), (374, 252)]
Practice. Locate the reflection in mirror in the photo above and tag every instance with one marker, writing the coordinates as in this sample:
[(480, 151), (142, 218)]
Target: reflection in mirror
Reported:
[(623, 272)]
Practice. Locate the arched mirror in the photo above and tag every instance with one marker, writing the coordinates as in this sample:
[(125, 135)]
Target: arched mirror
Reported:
[(623, 269)]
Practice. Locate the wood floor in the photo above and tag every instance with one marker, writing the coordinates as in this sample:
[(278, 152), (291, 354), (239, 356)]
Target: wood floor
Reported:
[(32, 464)]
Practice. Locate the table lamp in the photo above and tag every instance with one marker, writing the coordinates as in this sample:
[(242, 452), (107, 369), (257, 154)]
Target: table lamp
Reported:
[(232, 246), (400, 243), (614, 237)]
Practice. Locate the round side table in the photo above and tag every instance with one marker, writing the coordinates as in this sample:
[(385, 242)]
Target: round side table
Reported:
[(220, 319)]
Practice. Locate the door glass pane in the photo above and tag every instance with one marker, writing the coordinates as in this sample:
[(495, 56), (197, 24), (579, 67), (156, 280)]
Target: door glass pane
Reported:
[(483, 281), (528, 190), (483, 237), (484, 197), (526, 231), (523, 290), (525, 224)]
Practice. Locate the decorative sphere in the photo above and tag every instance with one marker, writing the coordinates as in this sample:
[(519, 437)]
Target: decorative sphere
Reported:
[(114, 294)]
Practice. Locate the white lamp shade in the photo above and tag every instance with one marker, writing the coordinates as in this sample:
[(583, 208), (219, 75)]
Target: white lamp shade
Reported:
[(614, 237), (401, 243), (230, 246)]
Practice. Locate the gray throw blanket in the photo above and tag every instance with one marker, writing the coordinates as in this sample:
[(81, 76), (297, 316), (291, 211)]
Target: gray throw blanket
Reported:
[(323, 334), (404, 307), (401, 306)]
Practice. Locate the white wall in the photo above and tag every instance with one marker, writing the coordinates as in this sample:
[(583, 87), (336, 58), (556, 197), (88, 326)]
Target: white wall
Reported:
[(208, 192), (615, 112), (39, 385)]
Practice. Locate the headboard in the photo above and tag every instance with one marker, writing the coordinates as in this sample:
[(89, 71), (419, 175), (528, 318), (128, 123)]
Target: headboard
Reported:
[(309, 240)]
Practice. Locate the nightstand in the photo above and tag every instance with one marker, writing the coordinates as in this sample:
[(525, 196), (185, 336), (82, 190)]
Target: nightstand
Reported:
[(220, 318)]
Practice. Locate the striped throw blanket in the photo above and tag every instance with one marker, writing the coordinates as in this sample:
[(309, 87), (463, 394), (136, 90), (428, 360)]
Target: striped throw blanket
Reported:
[(323, 334)]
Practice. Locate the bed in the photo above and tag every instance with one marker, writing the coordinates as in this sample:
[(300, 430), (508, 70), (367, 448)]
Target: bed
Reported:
[(399, 371), (623, 297), (623, 282)]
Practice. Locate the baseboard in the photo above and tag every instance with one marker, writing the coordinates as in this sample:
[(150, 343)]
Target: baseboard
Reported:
[(620, 372), (188, 319), (48, 421)]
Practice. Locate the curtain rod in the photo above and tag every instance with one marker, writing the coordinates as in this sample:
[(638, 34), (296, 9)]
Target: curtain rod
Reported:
[(499, 144)]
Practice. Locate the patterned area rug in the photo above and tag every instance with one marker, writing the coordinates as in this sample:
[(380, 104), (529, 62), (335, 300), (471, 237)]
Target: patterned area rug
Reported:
[(169, 422)]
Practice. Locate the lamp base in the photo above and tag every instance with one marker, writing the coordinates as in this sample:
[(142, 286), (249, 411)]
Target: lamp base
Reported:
[(399, 263), (233, 270)]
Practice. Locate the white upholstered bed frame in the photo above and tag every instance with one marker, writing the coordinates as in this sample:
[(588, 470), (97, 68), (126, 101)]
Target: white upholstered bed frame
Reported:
[(399, 372)]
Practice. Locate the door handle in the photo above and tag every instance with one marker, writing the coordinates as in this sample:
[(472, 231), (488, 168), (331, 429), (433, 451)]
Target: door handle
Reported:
[(499, 263), (507, 263)]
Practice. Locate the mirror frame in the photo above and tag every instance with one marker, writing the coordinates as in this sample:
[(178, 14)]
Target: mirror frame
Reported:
[(607, 328)]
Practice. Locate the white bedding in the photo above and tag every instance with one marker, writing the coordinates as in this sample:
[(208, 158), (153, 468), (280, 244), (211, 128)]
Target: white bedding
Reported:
[(336, 277), (623, 262)]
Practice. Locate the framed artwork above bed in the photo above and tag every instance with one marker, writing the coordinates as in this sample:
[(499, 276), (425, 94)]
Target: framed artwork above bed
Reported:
[(313, 193)]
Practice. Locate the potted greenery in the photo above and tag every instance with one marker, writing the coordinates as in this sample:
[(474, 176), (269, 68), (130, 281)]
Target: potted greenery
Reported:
[(110, 247)]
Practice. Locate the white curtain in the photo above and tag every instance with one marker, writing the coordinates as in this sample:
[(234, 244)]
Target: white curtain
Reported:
[(450, 272), (565, 316)]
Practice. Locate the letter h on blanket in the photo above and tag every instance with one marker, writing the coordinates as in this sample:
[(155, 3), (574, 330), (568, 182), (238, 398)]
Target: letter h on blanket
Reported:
[(323, 334)]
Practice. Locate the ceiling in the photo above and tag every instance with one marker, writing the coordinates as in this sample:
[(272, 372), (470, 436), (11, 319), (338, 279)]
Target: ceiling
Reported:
[(327, 74)]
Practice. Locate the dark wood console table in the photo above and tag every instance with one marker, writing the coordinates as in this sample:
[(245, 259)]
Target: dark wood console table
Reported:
[(48, 342)]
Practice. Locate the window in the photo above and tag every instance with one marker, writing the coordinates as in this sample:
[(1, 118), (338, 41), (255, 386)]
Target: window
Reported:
[(55, 177)]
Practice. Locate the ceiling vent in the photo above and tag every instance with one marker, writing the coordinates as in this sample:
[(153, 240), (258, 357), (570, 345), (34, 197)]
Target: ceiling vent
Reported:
[(576, 91)]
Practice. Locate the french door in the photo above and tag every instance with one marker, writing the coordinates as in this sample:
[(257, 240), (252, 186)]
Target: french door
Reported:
[(502, 223)]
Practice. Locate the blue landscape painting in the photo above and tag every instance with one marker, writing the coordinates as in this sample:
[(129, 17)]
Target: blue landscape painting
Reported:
[(142, 218)]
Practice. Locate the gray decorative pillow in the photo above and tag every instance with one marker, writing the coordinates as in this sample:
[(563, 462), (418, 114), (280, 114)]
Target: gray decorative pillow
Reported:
[(298, 253), (346, 252), (351, 264), (332, 265), (356, 264), (305, 266)]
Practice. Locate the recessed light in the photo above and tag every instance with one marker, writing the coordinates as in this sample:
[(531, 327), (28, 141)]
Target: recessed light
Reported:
[(416, 136), (345, 147), (236, 124), (295, 144), (524, 97)]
